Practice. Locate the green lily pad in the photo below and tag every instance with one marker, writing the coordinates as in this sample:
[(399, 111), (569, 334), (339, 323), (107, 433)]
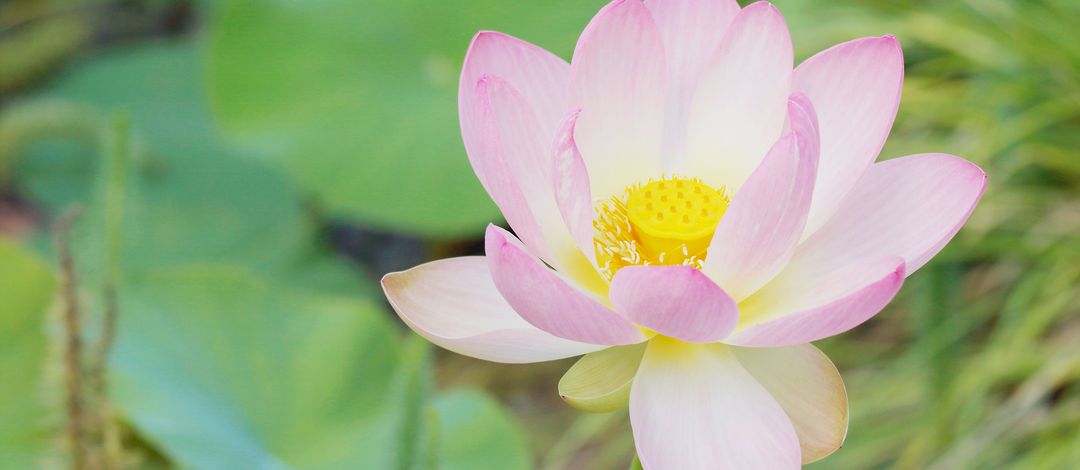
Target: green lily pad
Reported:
[(27, 287), (192, 197), (476, 432), (220, 370), (359, 101)]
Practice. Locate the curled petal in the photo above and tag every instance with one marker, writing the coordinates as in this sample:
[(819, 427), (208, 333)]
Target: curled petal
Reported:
[(548, 301), (572, 190), (804, 305), (454, 304), (759, 232), (676, 301)]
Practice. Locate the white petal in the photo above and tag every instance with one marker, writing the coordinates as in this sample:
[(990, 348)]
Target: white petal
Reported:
[(694, 407)]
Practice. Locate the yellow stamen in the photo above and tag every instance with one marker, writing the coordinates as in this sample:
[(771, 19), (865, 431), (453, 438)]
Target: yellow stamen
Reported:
[(667, 221)]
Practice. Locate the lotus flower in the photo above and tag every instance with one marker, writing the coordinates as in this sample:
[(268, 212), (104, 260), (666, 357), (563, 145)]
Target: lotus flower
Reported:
[(691, 213)]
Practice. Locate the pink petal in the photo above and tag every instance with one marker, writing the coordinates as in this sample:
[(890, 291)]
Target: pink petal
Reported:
[(855, 88), (540, 77), (808, 303), (691, 31), (809, 388), (454, 304), (522, 164), (695, 407), (676, 301), (617, 80), (758, 234), (547, 301), (739, 107), (514, 162), (572, 190), (909, 207)]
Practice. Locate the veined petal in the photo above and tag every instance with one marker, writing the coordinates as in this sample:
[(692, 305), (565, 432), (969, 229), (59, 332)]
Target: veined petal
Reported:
[(547, 301), (499, 156), (526, 195), (540, 76), (694, 407), (738, 109), (909, 207), (454, 304), (810, 302), (761, 228), (691, 30), (677, 301), (617, 80), (855, 88), (600, 381), (572, 191), (809, 388)]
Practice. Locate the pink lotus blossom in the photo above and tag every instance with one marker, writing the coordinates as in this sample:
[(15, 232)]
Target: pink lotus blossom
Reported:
[(691, 212)]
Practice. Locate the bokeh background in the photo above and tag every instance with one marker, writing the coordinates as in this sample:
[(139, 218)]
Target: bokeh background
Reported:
[(242, 172)]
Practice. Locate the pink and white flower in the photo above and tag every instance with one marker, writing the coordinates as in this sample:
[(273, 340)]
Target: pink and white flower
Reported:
[(691, 213)]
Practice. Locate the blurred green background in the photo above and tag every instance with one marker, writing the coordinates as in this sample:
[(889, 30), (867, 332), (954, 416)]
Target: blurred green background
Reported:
[(246, 170)]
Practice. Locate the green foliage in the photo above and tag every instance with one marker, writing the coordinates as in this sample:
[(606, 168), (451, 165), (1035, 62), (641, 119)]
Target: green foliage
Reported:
[(477, 433), (223, 371), (359, 101), (28, 290), (193, 198), (243, 341)]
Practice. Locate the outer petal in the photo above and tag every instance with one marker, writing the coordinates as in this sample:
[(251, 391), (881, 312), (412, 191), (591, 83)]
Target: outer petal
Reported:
[(738, 109), (600, 381), (855, 88), (540, 77), (454, 304), (909, 207), (809, 388), (808, 303), (695, 407), (572, 190), (617, 80), (758, 234), (547, 301), (691, 30), (676, 301), (522, 163)]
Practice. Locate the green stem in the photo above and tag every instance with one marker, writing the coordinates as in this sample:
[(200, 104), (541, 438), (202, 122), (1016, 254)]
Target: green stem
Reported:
[(119, 154)]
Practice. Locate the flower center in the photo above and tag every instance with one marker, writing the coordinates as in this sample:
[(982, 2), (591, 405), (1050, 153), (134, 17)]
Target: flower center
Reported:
[(663, 222)]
